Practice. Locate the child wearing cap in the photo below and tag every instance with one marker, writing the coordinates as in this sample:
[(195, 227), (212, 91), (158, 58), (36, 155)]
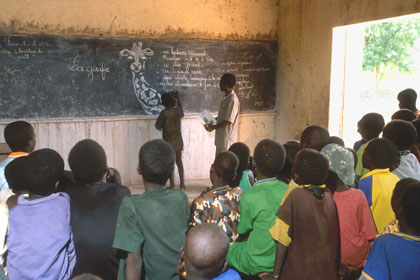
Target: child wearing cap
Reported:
[(357, 228)]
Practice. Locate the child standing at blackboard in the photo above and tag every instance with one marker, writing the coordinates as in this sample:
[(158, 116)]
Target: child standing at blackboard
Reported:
[(169, 122)]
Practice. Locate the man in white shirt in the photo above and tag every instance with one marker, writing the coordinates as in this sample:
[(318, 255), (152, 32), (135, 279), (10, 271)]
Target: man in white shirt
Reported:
[(228, 114)]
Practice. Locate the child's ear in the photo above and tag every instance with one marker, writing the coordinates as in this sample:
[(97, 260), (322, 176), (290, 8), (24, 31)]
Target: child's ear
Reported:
[(399, 213), (234, 175), (224, 267), (56, 184)]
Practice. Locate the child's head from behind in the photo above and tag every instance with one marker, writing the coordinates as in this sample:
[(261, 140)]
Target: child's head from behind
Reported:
[(380, 153), (269, 157), (310, 167), (15, 174), (399, 190), (370, 125), (205, 251), (168, 100), (404, 114), (341, 162), (241, 150), (156, 161), (402, 133), (44, 168), (20, 136), (314, 137), (410, 209), (337, 140), (224, 169), (416, 124), (286, 173), (87, 160), (407, 99)]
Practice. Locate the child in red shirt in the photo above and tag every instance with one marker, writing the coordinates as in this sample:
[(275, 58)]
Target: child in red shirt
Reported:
[(357, 228)]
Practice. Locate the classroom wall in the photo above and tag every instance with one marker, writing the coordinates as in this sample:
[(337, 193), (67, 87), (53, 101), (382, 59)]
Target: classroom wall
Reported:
[(207, 19), (122, 137), (304, 57)]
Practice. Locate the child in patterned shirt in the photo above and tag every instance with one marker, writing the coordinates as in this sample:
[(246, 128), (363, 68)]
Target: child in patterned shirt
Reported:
[(220, 205)]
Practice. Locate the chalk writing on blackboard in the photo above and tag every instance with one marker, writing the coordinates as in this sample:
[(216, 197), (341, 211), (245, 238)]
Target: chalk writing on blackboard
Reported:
[(75, 66), (148, 97)]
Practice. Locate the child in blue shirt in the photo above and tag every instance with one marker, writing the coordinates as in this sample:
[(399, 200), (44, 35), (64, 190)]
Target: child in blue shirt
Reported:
[(20, 137), (40, 240), (396, 255)]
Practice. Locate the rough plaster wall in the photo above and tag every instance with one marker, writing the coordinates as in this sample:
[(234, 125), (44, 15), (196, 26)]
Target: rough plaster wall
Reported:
[(304, 61), (210, 19)]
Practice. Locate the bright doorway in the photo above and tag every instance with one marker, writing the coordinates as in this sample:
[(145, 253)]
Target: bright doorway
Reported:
[(357, 89)]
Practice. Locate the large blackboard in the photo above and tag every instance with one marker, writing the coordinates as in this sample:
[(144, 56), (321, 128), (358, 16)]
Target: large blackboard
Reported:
[(61, 77)]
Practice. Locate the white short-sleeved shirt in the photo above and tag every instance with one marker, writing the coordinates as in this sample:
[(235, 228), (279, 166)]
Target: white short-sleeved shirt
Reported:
[(409, 166), (228, 111)]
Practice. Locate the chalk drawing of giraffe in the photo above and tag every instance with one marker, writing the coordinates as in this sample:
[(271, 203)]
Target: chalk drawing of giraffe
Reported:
[(148, 97)]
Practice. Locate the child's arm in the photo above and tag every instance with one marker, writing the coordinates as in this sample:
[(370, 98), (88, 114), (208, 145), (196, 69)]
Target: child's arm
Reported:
[(180, 110), (133, 266), (178, 101), (281, 251), (160, 122), (71, 253)]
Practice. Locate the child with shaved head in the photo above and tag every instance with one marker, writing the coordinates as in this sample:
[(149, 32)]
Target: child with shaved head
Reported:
[(204, 254), (314, 137), (220, 205)]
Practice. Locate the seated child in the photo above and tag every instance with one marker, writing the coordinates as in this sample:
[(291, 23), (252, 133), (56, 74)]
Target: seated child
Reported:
[(20, 137), (403, 134), (397, 194), (337, 140), (152, 226), (407, 100), (93, 199), (220, 205), (169, 122), (396, 255), (204, 254), (378, 184), (245, 178), (40, 240), (314, 137), (306, 229), (357, 228), (404, 114), (254, 251), (4, 222), (285, 174), (15, 179), (415, 149), (369, 127)]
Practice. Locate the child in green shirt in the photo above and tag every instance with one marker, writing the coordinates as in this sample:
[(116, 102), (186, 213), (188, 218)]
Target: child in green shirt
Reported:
[(254, 251)]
